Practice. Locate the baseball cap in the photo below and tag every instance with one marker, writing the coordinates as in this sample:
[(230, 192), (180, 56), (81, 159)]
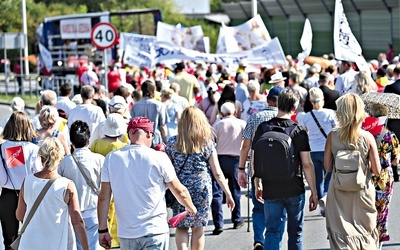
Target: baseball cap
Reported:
[(141, 123), (273, 93), (118, 102)]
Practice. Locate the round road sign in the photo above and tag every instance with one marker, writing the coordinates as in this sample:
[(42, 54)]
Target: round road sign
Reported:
[(104, 35)]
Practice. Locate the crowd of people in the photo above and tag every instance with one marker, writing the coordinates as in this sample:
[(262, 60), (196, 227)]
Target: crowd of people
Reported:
[(194, 128)]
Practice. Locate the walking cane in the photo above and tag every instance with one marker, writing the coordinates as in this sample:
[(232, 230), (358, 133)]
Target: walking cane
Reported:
[(248, 196)]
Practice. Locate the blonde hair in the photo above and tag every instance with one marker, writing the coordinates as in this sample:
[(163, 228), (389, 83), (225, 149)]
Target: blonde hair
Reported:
[(365, 83), (350, 114), (52, 153), (19, 128), (194, 131), (48, 117), (316, 97), (168, 93)]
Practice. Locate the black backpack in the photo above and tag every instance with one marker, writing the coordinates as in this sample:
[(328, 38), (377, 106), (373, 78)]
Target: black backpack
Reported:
[(274, 154)]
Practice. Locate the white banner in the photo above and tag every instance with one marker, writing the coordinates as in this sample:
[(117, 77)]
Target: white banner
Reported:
[(270, 53), (346, 45), (75, 28), (242, 37), (189, 38), (140, 42), (136, 57), (45, 56), (305, 42)]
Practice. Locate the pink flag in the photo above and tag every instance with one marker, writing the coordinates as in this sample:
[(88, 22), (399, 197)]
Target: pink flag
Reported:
[(174, 221)]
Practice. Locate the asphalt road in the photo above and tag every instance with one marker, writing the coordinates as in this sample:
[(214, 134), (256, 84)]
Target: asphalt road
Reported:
[(314, 228)]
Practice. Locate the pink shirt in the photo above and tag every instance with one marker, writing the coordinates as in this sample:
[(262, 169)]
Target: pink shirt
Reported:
[(229, 131)]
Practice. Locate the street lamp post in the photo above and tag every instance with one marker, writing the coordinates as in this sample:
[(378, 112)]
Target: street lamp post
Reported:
[(25, 31)]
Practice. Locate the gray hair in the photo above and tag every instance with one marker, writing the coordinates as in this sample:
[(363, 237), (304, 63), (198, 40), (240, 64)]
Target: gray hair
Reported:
[(48, 97), (87, 92)]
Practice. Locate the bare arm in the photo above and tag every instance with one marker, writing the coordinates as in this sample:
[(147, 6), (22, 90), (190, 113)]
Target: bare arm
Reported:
[(258, 189), (163, 130), (328, 158), (239, 109), (214, 114), (244, 152), (21, 209), (71, 198), (373, 155), (219, 176), (103, 206), (182, 195), (308, 168), (63, 140)]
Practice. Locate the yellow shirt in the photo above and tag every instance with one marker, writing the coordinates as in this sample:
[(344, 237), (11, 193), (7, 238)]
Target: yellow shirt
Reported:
[(104, 147), (187, 82)]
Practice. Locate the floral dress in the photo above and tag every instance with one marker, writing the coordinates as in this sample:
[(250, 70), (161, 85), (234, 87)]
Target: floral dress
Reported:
[(196, 177), (387, 150)]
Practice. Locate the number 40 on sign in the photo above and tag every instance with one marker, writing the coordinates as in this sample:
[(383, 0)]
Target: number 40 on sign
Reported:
[(104, 35)]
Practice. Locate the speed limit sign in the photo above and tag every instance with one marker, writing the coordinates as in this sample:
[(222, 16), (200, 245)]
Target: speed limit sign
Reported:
[(104, 35)]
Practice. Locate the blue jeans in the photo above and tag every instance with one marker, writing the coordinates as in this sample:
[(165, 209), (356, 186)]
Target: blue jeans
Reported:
[(319, 169), (258, 218), (148, 242), (91, 226), (274, 211), (216, 204)]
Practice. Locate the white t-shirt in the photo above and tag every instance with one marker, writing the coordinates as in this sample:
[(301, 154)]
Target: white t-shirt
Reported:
[(22, 159), (327, 120), (92, 164), (138, 177), (65, 104), (88, 113)]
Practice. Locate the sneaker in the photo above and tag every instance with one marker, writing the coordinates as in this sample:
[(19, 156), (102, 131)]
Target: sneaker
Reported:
[(258, 246), (217, 231), (321, 204), (238, 225)]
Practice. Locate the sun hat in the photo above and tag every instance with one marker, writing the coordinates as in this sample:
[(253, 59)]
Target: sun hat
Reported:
[(277, 77), (115, 125)]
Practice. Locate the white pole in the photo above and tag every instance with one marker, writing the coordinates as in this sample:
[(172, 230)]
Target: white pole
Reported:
[(105, 69), (25, 31), (254, 7)]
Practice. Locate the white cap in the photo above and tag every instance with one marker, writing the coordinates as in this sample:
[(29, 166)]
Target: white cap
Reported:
[(118, 102)]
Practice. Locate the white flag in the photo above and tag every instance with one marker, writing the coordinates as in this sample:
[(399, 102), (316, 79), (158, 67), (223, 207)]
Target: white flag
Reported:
[(270, 53), (45, 57), (134, 56), (345, 43), (305, 42)]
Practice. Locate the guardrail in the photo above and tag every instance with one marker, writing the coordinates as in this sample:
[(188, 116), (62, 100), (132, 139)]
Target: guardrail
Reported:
[(33, 84)]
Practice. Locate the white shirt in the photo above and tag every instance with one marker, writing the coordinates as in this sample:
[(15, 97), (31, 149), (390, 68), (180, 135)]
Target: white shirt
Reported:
[(327, 120), (345, 81), (20, 163), (138, 176), (229, 132), (92, 164), (65, 104), (88, 113)]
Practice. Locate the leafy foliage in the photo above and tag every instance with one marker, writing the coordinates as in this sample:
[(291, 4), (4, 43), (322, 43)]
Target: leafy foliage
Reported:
[(37, 10)]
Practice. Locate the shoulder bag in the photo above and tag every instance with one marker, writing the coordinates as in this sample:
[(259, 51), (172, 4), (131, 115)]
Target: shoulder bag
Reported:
[(318, 125), (169, 197), (89, 181), (15, 244)]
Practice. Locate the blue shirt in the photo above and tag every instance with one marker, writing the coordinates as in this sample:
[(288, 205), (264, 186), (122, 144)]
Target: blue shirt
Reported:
[(241, 92)]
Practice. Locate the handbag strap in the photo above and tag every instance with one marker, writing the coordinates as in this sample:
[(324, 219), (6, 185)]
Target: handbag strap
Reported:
[(319, 125), (6, 169), (182, 166), (89, 181), (382, 134), (36, 203)]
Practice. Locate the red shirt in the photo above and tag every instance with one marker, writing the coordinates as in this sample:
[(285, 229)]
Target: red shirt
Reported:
[(80, 70), (17, 69), (114, 80)]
